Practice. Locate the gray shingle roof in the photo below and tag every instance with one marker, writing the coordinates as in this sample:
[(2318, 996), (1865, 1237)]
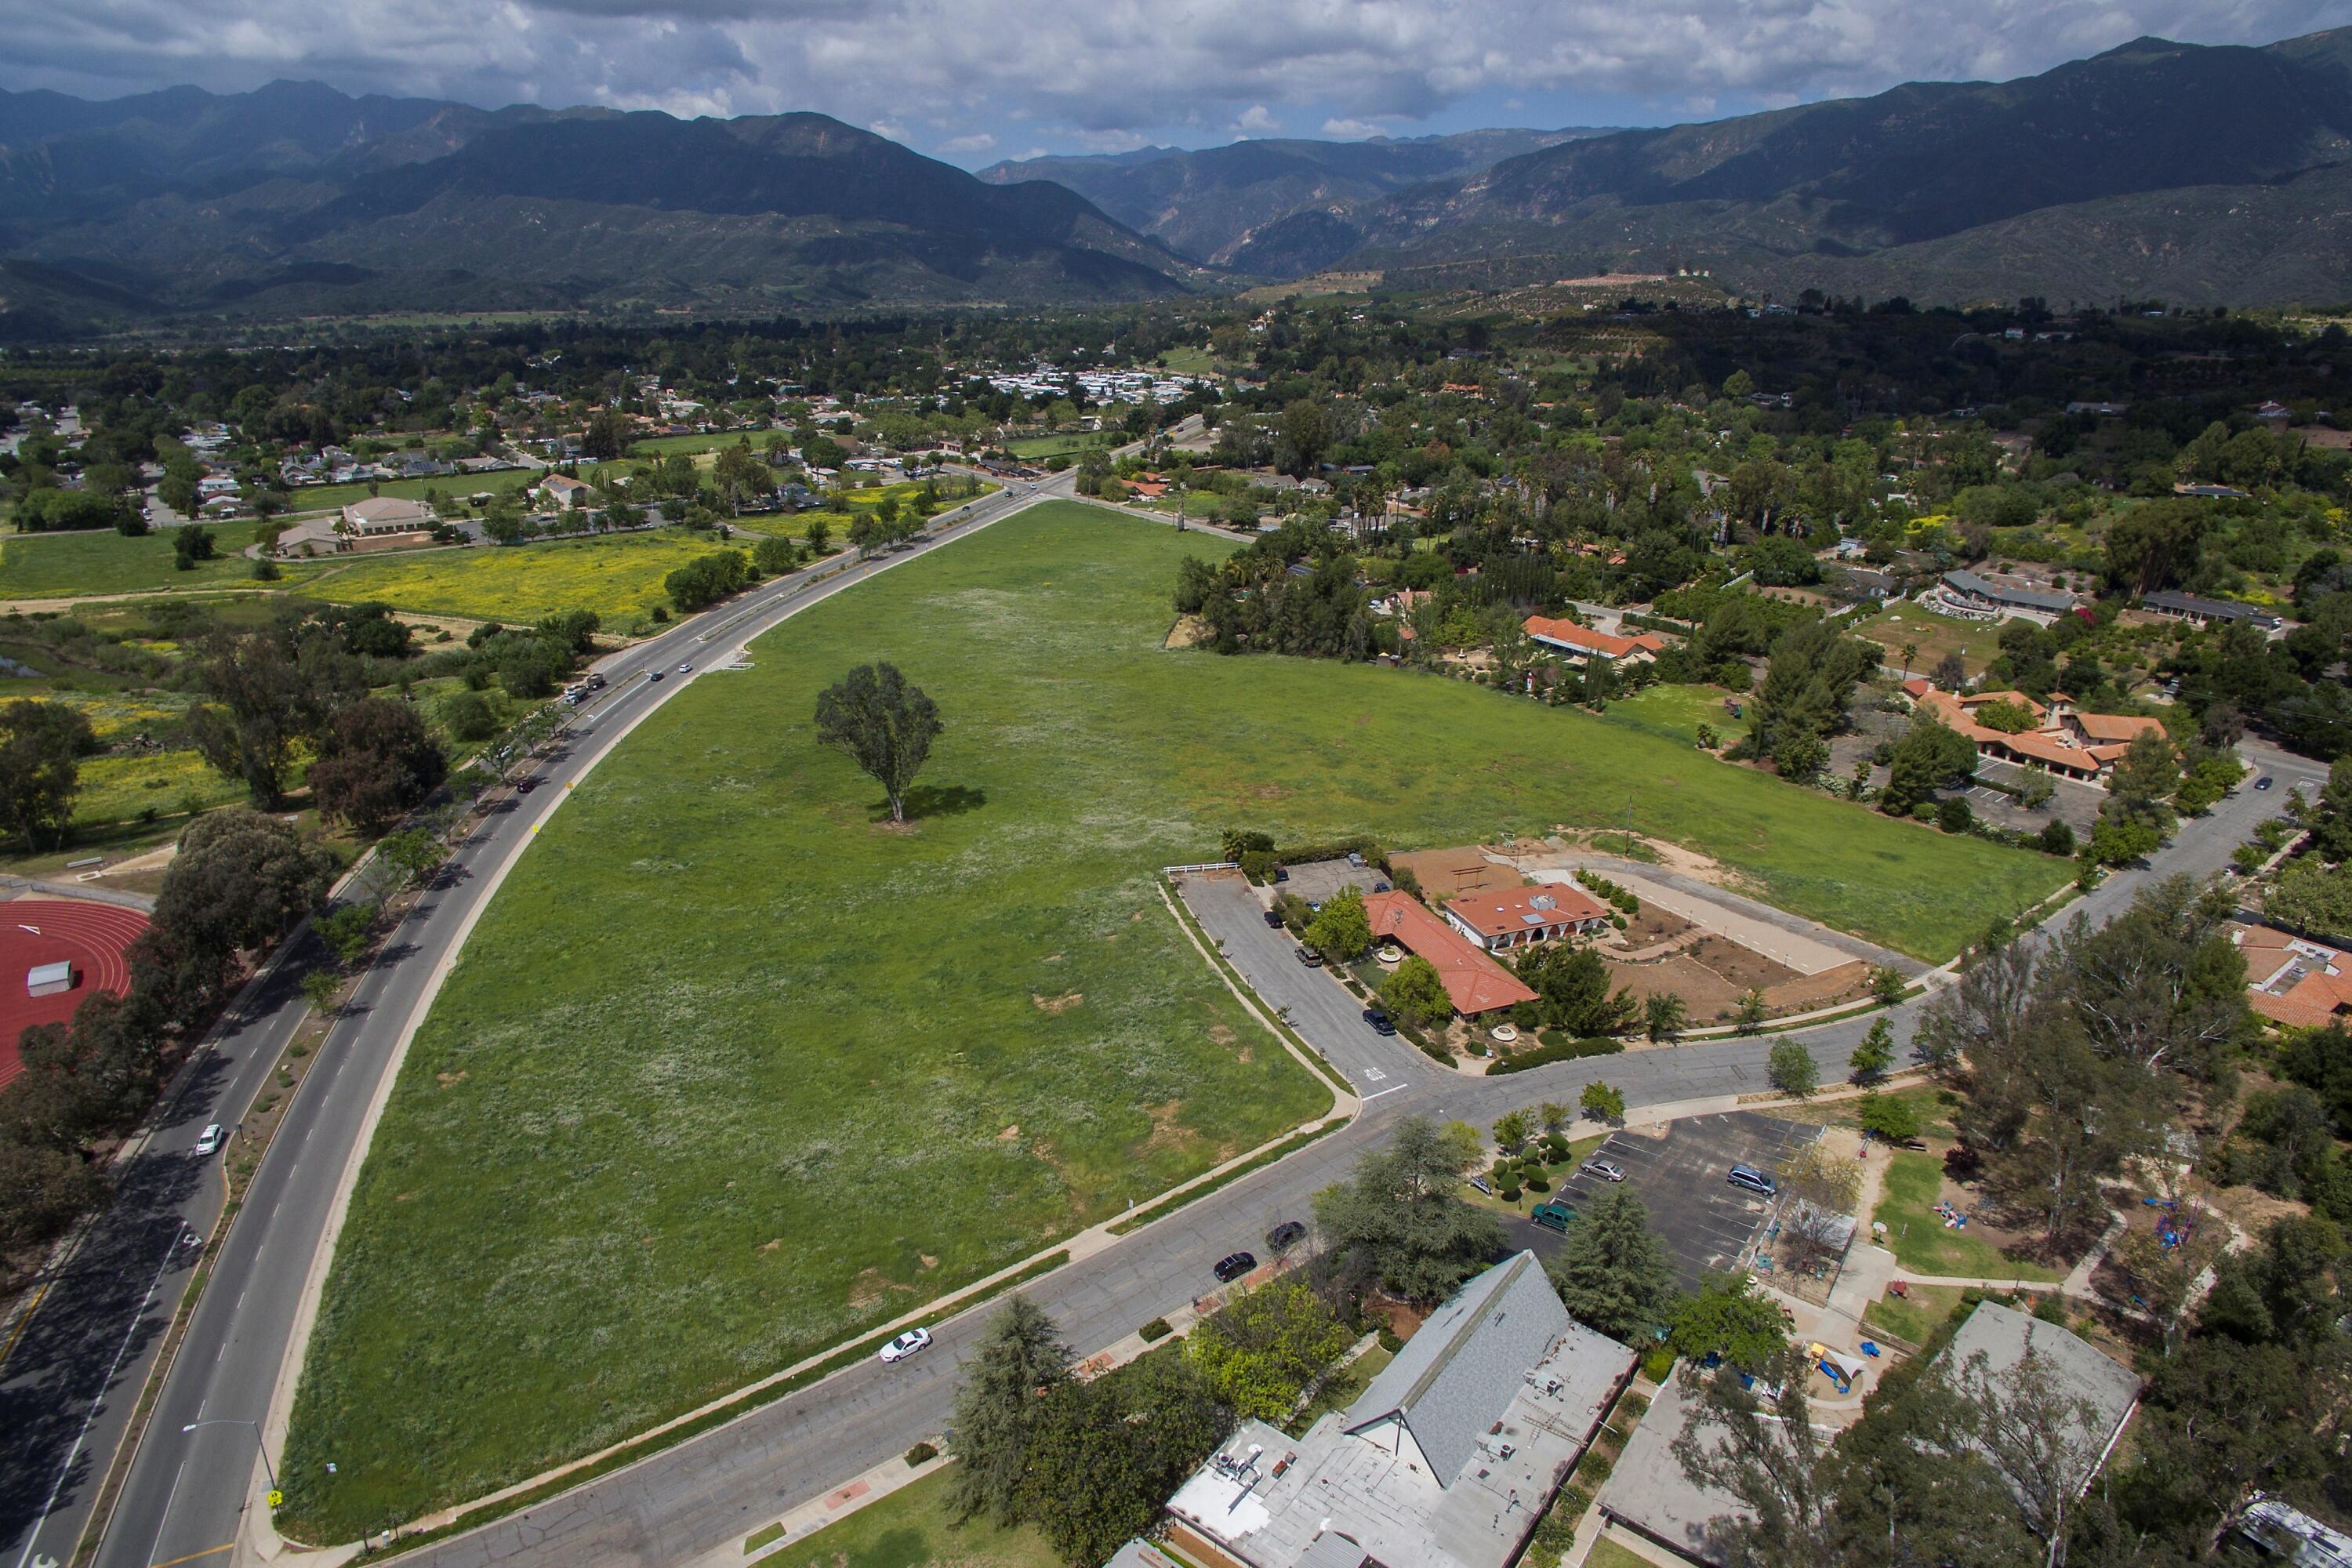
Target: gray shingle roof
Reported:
[(1455, 1377), (1970, 584), (2079, 1371)]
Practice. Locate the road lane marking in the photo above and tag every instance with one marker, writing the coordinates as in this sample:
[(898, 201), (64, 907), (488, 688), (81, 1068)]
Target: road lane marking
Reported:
[(1400, 1088), (190, 1557)]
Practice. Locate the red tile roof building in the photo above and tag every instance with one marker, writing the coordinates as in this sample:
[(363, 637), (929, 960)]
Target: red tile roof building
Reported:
[(2079, 745), (2302, 985), (1475, 982), (1516, 917), (1583, 642)]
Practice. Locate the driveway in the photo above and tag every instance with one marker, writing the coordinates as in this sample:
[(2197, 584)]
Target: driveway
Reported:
[(1705, 1222), (1318, 1007)]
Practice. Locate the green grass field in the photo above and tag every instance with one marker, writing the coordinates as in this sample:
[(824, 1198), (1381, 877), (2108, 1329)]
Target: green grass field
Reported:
[(1676, 712), (1920, 1312), (72, 565), (730, 1071), (1920, 1242), (618, 577), (1037, 448), (328, 498), (1977, 642), (916, 1526)]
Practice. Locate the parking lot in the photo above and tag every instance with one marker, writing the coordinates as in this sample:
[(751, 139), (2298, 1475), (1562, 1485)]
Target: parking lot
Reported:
[(1705, 1221)]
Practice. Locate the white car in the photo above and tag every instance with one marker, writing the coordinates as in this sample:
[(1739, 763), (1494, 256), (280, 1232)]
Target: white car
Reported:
[(209, 1139), (686, 670), (906, 1344)]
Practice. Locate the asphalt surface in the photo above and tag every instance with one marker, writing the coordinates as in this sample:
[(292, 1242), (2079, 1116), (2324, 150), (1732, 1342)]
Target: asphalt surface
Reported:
[(69, 1384), (1313, 1000)]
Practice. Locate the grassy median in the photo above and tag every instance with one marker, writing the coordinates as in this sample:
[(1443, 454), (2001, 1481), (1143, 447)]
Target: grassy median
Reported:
[(731, 1071)]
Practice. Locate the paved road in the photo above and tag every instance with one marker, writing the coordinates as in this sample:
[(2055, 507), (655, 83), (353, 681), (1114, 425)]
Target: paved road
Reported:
[(186, 1491), (1317, 1006), (69, 1383)]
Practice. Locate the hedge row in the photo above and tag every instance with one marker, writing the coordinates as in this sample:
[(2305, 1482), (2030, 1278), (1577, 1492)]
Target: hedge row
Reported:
[(1557, 1051)]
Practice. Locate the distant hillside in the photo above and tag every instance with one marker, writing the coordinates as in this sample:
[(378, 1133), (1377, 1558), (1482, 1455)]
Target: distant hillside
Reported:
[(296, 197), (2088, 180), (1209, 204)]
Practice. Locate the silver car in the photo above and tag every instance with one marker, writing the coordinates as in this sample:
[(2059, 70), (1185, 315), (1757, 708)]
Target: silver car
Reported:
[(1607, 1170)]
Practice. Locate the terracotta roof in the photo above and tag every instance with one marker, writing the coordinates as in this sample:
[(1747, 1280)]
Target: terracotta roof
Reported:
[(1476, 983), (2114, 726), (1919, 685), (1584, 640), (2055, 752), (1511, 911), (2302, 985)]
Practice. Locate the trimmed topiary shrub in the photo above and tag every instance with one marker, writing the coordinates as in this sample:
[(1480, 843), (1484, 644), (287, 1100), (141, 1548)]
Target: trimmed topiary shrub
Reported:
[(921, 1454), (1153, 1332)]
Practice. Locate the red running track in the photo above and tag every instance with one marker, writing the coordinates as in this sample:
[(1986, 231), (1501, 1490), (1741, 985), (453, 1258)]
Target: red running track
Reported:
[(93, 938)]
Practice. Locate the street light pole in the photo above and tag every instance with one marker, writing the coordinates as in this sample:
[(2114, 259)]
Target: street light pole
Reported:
[(226, 1421)]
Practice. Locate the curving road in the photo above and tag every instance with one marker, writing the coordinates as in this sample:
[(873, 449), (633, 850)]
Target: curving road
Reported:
[(70, 1377), (187, 1492)]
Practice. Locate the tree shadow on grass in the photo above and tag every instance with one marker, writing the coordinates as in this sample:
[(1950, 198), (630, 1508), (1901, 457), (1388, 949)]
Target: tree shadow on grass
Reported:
[(924, 800)]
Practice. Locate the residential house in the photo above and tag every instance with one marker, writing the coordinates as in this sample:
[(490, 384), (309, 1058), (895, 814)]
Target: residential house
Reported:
[(1474, 981), (2202, 612), (563, 493), (1973, 597), (1582, 643), (1521, 916), (2293, 981), (1447, 1458)]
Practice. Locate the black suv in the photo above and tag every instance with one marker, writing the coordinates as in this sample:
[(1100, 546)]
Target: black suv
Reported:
[(1379, 1021), (1232, 1267), (1283, 1236)]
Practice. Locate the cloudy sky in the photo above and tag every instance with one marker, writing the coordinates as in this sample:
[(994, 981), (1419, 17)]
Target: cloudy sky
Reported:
[(985, 79)]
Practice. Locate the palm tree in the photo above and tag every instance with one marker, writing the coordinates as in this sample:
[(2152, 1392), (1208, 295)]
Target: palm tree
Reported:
[(1664, 1018), (1910, 652)]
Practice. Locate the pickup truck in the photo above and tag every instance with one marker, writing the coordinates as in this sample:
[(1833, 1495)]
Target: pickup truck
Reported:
[(1553, 1214)]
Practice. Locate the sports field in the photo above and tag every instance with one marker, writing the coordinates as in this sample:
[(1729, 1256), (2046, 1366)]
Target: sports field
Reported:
[(729, 1070), (619, 576)]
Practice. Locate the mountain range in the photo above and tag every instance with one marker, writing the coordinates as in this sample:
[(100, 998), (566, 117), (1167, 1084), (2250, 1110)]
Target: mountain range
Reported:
[(2196, 173)]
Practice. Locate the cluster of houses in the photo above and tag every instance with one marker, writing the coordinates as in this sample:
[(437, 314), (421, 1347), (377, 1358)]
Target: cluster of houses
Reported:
[(2064, 738), (1042, 380)]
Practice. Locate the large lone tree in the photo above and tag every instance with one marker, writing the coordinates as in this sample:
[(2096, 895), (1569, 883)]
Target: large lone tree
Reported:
[(881, 722)]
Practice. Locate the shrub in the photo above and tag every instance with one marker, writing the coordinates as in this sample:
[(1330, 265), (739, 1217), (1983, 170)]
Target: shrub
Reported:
[(1259, 867), (1557, 1051), (1508, 1194), (1389, 1340), (1153, 1332), (1574, 1500), (1537, 1183), (1632, 1408), (1594, 1470), (921, 1454), (1657, 1362)]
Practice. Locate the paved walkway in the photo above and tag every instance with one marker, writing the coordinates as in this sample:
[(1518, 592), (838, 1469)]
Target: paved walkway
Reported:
[(1807, 946)]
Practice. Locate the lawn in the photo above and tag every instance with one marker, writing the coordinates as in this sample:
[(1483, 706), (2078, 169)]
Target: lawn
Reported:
[(1923, 1310), (1676, 712), (914, 1526), (310, 498), (1037, 448), (619, 576), (1920, 1242), (1977, 642), (71, 565), (731, 1072), (1340, 1391), (118, 788)]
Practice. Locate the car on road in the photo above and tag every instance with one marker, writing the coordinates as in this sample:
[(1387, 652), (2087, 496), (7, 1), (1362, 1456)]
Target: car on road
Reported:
[(595, 683), (1232, 1266), (1312, 957), (1607, 1170), (1381, 1021), (2263, 782), (209, 1139), (686, 670), (1273, 920), (525, 785), (906, 1344), (1747, 1178), (1283, 1236), (653, 675)]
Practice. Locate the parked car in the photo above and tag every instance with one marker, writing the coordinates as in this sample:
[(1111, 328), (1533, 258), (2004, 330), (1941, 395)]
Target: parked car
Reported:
[(2263, 782), (1607, 1170), (209, 1139), (1232, 1266), (1273, 919), (1283, 1236), (1312, 957), (1553, 1214), (906, 1344), (1750, 1179), (1381, 1021)]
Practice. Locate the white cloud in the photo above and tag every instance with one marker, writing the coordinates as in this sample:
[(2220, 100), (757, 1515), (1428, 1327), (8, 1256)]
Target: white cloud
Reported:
[(977, 141), (1350, 130), (1105, 74)]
